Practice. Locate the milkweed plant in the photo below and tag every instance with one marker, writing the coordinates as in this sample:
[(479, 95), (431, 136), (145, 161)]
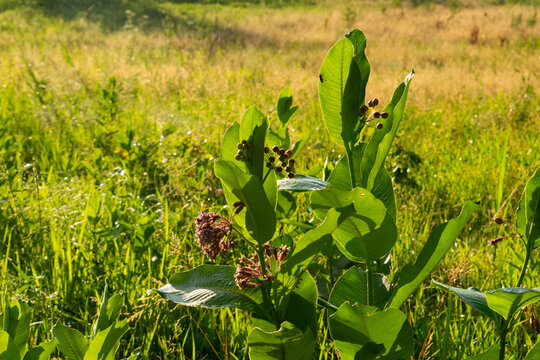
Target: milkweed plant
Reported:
[(354, 212)]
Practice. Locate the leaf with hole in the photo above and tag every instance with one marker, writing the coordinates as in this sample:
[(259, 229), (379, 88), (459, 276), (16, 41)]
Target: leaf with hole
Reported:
[(342, 88)]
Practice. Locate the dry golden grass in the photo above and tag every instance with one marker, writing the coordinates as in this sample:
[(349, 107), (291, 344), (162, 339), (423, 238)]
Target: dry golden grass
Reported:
[(248, 54)]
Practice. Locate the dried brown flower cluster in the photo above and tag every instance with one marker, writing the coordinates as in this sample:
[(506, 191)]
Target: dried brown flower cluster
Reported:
[(249, 273), (213, 234)]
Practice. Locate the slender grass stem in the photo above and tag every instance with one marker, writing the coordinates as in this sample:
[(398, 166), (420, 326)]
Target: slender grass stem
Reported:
[(502, 338)]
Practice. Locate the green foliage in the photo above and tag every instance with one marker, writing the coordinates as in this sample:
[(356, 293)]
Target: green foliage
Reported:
[(105, 338), (14, 334)]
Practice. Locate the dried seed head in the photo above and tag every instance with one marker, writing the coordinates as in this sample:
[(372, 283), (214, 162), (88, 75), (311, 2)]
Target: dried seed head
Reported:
[(496, 241), (498, 220), (379, 126), (279, 169), (275, 149), (290, 175), (281, 158), (266, 149), (288, 153), (212, 232), (384, 115), (291, 162), (238, 157), (288, 169), (376, 114), (272, 159)]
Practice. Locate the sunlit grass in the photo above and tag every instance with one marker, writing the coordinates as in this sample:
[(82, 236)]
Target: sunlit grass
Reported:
[(108, 132)]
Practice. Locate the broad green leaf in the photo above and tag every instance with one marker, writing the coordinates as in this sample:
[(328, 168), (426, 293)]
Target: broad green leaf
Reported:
[(106, 342), (108, 311), (287, 343), (490, 354), (260, 216), (279, 137), (507, 301), (253, 128), (534, 353), (383, 189), (71, 342), (365, 332), (229, 145), (352, 286), (16, 319), (301, 183), (381, 141), (286, 205), (285, 109), (441, 239), (368, 233), (306, 248), (302, 305), (42, 352), (8, 350), (211, 286), (342, 87), (528, 213), (474, 297)]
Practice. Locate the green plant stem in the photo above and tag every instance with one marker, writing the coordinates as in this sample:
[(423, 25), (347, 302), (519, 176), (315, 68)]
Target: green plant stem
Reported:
[(351, 165), (525, 265), (369, 287), (502, 338)]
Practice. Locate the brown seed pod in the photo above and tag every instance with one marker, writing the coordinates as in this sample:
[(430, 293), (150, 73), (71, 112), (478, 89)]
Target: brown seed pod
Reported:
[(290, 175), (376, 114), (379, 126), (498, 220), (291, 162), (279, 169), (275, 149), (288, 169), (239, 146), (272, 159), (384, 115), (288, 153), (266, 149), (363, 109)]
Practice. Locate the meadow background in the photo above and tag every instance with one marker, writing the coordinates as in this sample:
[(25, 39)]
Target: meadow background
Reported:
[(111, 113)]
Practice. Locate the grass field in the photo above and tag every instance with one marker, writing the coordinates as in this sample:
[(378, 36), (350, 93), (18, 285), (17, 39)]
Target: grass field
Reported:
[(111, 115)]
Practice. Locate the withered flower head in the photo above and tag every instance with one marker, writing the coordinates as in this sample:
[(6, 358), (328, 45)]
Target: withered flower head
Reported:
[(213, 234)]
